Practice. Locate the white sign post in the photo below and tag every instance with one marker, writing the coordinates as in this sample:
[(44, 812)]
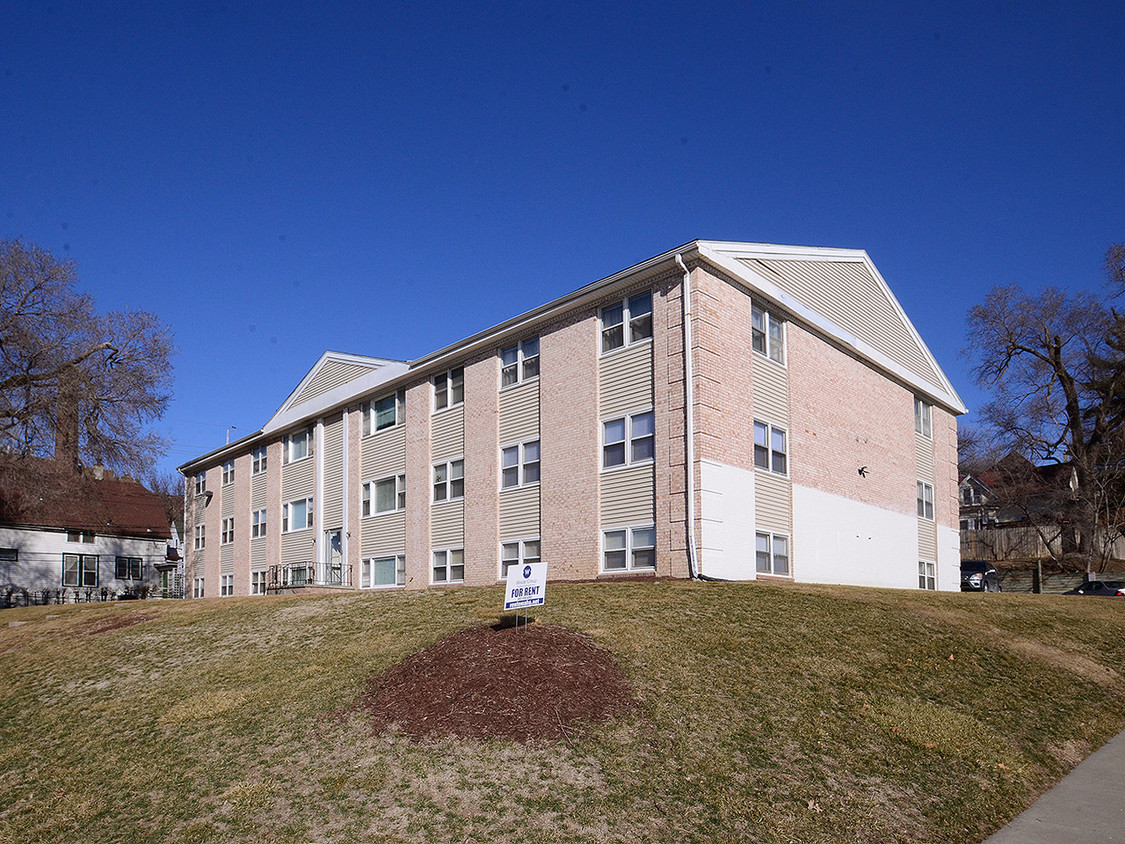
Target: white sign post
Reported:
[(526, 587)]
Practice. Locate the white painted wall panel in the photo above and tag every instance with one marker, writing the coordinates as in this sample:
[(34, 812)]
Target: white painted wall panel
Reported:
[(727, 515)]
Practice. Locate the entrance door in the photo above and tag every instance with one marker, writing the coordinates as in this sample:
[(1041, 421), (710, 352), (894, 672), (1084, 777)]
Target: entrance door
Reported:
[(334, 556)]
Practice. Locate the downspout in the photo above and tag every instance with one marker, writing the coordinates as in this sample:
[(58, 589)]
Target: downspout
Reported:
[(689, 425)]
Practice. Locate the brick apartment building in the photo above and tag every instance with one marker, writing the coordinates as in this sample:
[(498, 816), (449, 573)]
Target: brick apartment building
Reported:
[(808, 435)]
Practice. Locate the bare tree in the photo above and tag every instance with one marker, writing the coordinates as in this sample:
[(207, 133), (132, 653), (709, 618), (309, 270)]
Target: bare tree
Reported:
[(1055, 368), (74, 383)]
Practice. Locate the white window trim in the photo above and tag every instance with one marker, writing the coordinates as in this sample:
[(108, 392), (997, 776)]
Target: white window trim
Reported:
[(197, 587), (448, 389), (630, 441), (521, 465), (520, 363), (369, 420), (627, 320), (630, 548), (521, 550), (258, 460), (226, 585), (368, 496), (288, 528), (925, 500), (448, 482), (287, 446), (447, 552), (927, 575), (773, 537), (771, 452), (200, 483), (400, 571), (85, 563), (199, 535), (228, 472), (923, 418), (226, 534), (258, 582), (771, 319), (259, 520)]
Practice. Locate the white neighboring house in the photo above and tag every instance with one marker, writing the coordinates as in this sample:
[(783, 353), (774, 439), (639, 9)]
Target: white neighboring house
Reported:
[(84, 534)]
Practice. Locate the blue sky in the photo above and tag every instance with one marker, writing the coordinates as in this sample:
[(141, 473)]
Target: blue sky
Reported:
[(274, 180)]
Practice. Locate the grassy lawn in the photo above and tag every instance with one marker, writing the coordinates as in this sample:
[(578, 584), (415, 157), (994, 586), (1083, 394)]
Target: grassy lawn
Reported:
[(768, 712)]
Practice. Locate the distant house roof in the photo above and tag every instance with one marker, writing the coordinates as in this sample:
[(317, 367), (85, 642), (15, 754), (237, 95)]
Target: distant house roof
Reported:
[(38, 493)]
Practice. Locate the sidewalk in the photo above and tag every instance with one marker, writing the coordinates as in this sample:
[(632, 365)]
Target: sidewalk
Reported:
[(1086, 807)]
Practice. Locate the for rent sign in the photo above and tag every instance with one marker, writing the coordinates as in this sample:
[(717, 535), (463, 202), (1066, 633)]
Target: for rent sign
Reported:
[(527, 586)]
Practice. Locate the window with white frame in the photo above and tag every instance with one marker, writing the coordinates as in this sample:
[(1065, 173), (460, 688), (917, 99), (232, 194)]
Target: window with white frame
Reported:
[(517, 552), (384, 496), (770, 452), (228, 472), (449, 388), (297, 515), (380, 572), (80, 570), (771, 553), (927, 574), (258, 460), (925, 501), (923, 418), (258, 582), (82, 537), (226, 585), (200, 483), (200, 533), (197, 587), (767, 334), (627, 322), (449, 480), (629, 549), (258, 524), (520, 362), (128, 568), (227, 536), (628, 440), (449, 565), (519, 465), (380, 414), (298, 446)]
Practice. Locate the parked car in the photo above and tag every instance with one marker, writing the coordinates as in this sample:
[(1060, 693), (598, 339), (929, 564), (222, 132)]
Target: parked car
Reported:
[(979, 576), (1105, 588)]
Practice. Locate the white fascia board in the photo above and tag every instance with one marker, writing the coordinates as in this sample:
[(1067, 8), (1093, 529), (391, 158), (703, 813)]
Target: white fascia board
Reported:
[(947, 397)]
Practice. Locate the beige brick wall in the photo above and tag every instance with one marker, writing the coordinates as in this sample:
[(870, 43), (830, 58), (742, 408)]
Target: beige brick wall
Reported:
[(419, 401), (945, 469), (668, 405), (240, 492), (482, 460)]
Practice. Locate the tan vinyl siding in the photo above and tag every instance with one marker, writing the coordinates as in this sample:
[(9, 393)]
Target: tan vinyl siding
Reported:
[(924, 451), (519, 513), (227, 504), (384, 534), (519, 412), (226, 556), (384, 453), (850, 296), (625, 380), (258, 558), (332, 375), (332, 506), (447, 524), (770, 386), (298, 480), (772, 502), (258, 491), (628, 496), (297, 547), (927, 540), (447, 434)]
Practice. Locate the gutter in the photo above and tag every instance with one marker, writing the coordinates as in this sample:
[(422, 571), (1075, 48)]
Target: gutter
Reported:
[(689, 424)]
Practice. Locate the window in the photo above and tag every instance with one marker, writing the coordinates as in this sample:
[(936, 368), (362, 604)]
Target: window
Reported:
[(636, 313), (228, 472), (629, 549), (201, 483), (258, 582), (925, 501), (258, 524), (384, 413), (628, 440), (226, 585), (516, 553), (9, 559), (519, 465), (519, 362), (80, 570), (297, 515), (771, 553), (767, 334), (197, 587), (385, 496), (382, 571), (923, 418), (449, 388), (200, 537), (258, 460), (128, 568), (769, 449), (927, 575), (449, 565), (227, 536), (449, 480), (298, 446), (84, 537)]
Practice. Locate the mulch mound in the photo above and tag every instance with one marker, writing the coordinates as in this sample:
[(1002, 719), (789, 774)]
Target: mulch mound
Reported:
[(499, 682)]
